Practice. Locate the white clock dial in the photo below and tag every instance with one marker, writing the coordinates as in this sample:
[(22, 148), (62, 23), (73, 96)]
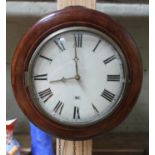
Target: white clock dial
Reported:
[(77, 76)]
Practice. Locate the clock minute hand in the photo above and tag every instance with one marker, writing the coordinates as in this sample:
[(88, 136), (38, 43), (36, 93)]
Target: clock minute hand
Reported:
[(76, 59)]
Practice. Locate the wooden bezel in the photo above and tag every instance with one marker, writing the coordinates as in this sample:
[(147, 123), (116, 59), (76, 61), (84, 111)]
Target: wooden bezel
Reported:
[(75, 16)]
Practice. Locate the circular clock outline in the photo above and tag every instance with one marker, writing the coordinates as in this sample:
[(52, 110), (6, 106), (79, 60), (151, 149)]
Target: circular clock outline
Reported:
[(68, 17), (33, 93)]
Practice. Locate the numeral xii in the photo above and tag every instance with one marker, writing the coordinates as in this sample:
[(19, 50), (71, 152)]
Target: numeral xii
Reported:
[(78, 38)]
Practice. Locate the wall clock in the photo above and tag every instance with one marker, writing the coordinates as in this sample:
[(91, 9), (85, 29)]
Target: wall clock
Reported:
[(76, 73)]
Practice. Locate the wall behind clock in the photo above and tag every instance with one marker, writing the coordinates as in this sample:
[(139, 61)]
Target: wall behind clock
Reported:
[(134, 16)]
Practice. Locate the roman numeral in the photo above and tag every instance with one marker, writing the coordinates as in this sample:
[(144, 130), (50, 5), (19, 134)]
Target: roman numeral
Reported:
[(78, 40), (46, 94), (108, 95), (95, 109), (40, 77), (59, 44), (96, 45), (113, 77), (109, 59), (76, 114), (58, 108), (46, 58)]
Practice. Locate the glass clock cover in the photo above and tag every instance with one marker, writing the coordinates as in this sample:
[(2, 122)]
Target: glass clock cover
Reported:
[(77, 76)]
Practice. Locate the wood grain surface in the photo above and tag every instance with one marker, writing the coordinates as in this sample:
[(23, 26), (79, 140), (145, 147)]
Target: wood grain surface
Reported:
[(109, 144), (65, 147), (87, 3)]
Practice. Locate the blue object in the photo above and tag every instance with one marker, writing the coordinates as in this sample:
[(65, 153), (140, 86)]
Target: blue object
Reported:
[(41, 142), (10, 145)]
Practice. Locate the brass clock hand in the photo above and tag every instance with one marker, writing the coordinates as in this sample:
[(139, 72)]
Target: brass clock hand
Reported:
[(76, 59), (63, 79)]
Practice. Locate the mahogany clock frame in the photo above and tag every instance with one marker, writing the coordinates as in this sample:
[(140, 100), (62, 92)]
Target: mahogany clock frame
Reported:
[(76, 16)]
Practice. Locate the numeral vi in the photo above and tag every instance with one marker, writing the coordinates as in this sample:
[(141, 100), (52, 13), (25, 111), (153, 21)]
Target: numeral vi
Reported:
[(76, 114)]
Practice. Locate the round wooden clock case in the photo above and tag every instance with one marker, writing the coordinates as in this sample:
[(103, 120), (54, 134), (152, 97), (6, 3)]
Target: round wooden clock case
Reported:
[(76, 17)]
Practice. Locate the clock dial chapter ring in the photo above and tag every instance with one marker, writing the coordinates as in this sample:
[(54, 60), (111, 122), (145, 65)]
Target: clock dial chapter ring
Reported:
[(60, 32), (65, 19)]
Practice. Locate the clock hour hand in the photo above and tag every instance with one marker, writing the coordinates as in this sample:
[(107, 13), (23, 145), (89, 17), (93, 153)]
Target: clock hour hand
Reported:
[(63, 79)]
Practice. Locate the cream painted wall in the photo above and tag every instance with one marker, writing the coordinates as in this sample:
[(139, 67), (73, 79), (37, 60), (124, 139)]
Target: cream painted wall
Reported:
[(21, 15)]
